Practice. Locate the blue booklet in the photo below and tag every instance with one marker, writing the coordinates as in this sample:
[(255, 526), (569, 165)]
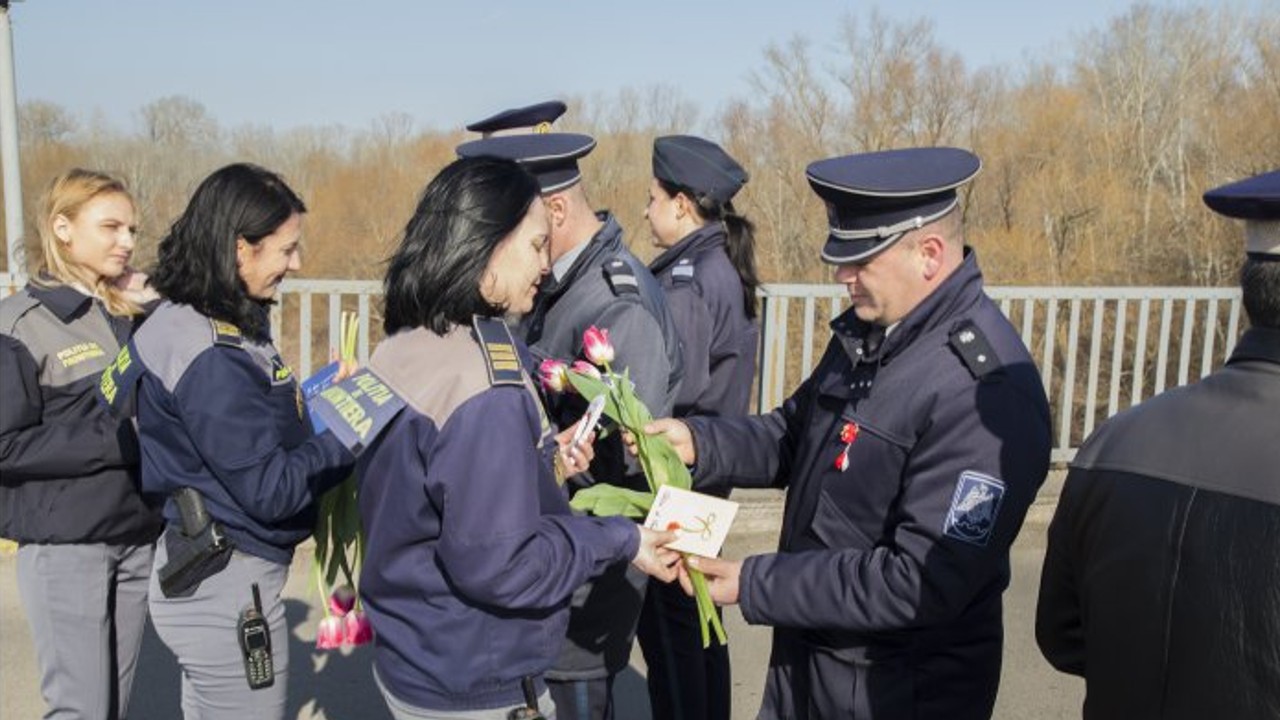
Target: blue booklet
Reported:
[(313, 386)]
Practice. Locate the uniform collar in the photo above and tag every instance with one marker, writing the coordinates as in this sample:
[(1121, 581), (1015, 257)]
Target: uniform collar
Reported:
[(64, 301), (865, 342), (606, 242), (706, 237), (1257, 343)]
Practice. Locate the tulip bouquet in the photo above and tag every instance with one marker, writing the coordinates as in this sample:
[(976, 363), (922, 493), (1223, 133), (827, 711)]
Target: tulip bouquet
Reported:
[(339, 541), (659, 461)]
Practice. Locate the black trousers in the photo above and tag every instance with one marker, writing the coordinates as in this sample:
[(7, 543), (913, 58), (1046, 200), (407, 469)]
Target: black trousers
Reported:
[(686, 682)]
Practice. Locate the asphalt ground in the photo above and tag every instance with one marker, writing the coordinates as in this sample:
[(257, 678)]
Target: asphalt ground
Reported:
[(337, 685)]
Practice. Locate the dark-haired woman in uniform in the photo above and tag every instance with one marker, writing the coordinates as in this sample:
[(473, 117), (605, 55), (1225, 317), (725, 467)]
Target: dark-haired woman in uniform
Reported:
[(472, 553), (708, 272), (219, 413)]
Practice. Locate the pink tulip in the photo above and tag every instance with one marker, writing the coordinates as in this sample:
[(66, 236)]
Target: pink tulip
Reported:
[(596, 345), (585, 368), (342, 600), (554, 375), (330, 634), (359, 631)]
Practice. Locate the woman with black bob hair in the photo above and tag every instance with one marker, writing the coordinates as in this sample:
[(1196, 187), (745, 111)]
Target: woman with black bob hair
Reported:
[(471, 551), (708, 274), (221, 424)]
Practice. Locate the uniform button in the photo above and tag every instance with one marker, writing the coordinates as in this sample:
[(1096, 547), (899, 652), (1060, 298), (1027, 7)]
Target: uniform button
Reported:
[(982, 358)]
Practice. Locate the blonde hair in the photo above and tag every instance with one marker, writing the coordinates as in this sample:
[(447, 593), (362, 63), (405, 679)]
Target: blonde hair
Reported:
[(66, 196)]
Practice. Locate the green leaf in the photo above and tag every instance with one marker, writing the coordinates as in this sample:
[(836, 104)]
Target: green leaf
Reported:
[(611, 500)]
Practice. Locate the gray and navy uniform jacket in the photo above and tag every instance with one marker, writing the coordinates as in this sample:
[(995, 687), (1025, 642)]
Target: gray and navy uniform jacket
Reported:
[(704, 294), (220, 412), (68, 468), (1161, 576), (471, 550), (608, 287), (885, 592)]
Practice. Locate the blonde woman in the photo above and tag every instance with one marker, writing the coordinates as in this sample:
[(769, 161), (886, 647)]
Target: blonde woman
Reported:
[(68, 470)]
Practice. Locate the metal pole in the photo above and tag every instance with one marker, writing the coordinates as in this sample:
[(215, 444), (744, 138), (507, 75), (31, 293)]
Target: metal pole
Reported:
[(9, 162)]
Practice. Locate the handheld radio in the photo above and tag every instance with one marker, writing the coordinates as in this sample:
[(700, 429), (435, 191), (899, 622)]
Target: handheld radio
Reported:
[(255, 644)]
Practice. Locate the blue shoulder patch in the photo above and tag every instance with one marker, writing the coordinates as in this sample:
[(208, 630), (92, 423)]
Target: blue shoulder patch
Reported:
[(357, 409), (622, 279), (224, 333), (683, 271), (974, 508), (499, 348), (974, 349)]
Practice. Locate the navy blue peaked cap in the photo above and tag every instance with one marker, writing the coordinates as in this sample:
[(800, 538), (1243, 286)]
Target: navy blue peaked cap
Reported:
[(1255, 200), (698, 165), (532, 118), (873, 199), (551, 157)]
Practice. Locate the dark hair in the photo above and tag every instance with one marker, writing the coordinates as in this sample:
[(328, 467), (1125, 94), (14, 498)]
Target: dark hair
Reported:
[(1260, 288), (433, 279), (740, 242), (197, 258)]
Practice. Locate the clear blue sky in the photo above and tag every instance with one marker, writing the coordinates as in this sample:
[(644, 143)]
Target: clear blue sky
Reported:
[(286, 63)]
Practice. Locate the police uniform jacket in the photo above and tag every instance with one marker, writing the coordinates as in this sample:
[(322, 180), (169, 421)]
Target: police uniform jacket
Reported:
[(220, 412), (472, 553), (608, 287), (1161, 583), (704, 294), (68, 469), (885, 592)]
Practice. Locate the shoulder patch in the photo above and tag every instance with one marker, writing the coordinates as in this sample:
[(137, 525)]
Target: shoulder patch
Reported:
[(974, 508), (224, 333), (501, 358), (683, 271), (116, 385), (356, 410), (972, 347), (622, 279)]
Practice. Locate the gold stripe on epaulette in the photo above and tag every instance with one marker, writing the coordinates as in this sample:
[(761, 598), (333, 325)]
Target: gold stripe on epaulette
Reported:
[(224, 333)]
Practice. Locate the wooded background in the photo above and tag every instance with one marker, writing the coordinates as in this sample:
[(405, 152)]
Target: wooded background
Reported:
[(1093, 167)]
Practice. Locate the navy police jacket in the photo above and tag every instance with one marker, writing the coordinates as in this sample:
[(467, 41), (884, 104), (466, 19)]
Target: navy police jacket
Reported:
[(608, 287), (68, 468), (221, 412), (909, 466), (719, 341), (471, 551), (1161, 582)]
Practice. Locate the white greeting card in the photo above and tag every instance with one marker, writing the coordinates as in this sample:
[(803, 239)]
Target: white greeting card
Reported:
[(701, 521)]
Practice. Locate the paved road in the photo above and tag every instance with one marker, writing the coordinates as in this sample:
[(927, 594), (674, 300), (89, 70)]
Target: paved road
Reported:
[(337, 685)]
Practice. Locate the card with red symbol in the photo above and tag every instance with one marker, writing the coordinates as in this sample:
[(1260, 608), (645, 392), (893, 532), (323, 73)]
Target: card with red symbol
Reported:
[(701, 521)]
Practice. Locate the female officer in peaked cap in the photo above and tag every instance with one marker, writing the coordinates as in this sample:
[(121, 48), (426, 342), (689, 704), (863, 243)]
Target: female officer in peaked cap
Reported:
[(708, 274), (910, 457)]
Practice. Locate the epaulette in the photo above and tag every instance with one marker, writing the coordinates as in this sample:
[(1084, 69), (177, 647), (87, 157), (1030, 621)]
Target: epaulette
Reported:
[(499, 351), (224, 333), (972, 347), (14, 307), (622, 279), (683, 271)]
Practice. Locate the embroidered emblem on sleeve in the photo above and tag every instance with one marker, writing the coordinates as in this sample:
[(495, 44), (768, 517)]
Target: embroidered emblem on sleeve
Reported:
[(974, 508)]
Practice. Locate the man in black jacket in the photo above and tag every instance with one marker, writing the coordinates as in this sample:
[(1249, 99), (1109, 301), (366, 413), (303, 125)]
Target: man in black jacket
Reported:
[(1161, 582)]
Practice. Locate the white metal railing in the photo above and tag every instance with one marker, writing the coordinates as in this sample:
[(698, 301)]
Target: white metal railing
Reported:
[(1099, 349)]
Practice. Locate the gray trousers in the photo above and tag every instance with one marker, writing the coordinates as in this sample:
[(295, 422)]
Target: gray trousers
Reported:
[(200, 630), (87, 607)]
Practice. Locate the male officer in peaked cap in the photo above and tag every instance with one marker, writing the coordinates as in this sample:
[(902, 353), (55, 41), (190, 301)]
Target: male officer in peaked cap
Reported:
[(909, 456), (1161, 574), (594, 280), (536, 118)]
